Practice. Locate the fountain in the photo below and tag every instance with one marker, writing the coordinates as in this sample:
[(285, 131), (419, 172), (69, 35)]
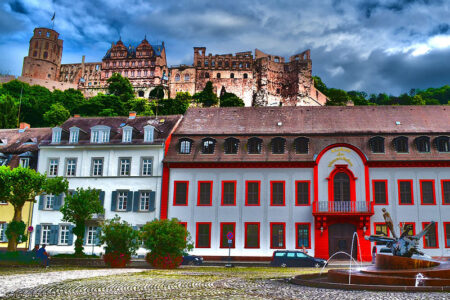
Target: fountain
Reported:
[(396, 272)]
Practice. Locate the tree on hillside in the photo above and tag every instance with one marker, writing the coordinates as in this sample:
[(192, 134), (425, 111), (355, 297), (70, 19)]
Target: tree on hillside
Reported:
[(157, 92), (207, 97), (318, 84), (57, 115), (120, 87), (103, 105), (176, 106), (21, 185), (141, 106), (230, 100), (8, 112), (71, 99), (78, 208), (358, 98), (337, 97)]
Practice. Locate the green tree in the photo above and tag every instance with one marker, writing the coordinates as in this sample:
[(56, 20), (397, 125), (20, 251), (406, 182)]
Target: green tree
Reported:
[(318, 84), (141, 106), (8, 112), (21, 185), (337, 97), (157, 92), (105, 105), (358, 98), (207, 97), (57, 115), (119, 237), (71, 99), (120, 87), (230, 100), (79, 208)]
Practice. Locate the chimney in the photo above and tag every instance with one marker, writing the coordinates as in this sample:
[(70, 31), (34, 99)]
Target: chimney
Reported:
[(132, 115), (76, 116), (24, 125)]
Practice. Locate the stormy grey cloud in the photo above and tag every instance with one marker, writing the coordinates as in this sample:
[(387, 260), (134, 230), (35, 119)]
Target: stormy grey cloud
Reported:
[(372, 45)]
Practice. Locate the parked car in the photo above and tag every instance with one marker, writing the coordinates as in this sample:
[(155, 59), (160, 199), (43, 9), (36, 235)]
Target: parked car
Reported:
[(293, 258), (192, 260)]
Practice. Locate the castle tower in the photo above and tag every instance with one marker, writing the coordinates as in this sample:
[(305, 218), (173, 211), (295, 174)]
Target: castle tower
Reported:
[(44, 55)]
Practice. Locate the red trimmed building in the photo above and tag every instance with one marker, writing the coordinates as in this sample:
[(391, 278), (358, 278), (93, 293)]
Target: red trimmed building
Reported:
[(288, 177)]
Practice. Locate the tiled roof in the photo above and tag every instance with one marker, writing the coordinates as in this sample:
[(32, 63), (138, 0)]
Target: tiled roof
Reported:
[(157, 49), (19, 141)]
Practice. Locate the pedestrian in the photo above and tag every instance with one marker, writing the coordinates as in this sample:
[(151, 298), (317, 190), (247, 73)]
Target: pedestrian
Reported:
[(374, 253), (43, 256)]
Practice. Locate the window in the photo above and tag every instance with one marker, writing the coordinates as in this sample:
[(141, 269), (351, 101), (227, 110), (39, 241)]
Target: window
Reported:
[(277, 193), (278, 145), (148, 133), (124, 166), (24, 162), (3, 237), (177, 77), (277, 235), (245, 75), (146, 166), (74, 135), (127, 134), (423, 144), (225, 228), (45, 54), (56, 135), (380, 192), (97, 167), (410, 228), (91, 235), (302, 235), (427, 195), (442, 144), (228, 192), (53, 167), (186, 77), (447, 234), (180, 193), (203, 236), (381, 229), (208, 146), (254, 145), (251, 235), (144, 201), (185, 146), (405, 193), (206, 63), (100, 134), (122, 200), (71, 166), (252, 191), (204, 197), (206, 75), (401, 144), (301, 145), (376, 144), (231, 146), (302, 192), (45, 234), (218, 75), (445, 188), (430, 239), (63, 234), (49, 201), (232, 75)]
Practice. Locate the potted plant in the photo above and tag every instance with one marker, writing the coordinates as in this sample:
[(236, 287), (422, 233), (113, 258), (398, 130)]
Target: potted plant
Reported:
[(121, 242), (167, 240)]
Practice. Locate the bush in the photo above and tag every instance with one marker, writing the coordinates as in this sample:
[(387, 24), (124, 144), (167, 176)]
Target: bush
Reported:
[(18, 258)]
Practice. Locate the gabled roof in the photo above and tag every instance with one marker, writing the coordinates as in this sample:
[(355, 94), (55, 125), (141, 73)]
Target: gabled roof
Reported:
[(19, 141)]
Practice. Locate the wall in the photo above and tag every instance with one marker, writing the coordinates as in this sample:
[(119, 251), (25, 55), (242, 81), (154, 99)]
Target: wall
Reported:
[(6, 215)]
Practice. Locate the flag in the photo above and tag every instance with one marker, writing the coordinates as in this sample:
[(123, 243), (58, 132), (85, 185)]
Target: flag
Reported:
[(53, 16)]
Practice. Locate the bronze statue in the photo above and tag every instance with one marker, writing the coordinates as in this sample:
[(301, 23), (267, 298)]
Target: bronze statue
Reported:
[(405, 245)]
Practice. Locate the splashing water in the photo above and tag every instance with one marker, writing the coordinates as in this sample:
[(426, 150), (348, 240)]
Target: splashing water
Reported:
[(351, 255), (339, 252)]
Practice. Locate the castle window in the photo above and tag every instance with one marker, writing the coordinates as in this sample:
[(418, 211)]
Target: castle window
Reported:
[(240, 65), (301, 145), (231, 146), (254, 145), (132, 73), (177, 77), (442, 143), (206, 75), (227, 64), (36, 45), (185, 146), (145, 73), (206, 63), (234, 64), (376, 144), (133, 63), (141, 93), (45, 55), (46, 45), (277, 59), (232, 75), (48, 34), (120, 63), (247, 65), (139, 73), (401, 144), (245, 75), (423, 144), (35, 53), (199, 63), (208, 146), (213, 63), (218, 75), (186, 77), (39, 32), (220, 63), (278, 145)]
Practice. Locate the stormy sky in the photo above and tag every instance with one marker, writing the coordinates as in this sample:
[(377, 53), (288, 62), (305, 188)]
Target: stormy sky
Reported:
[(372, 45)]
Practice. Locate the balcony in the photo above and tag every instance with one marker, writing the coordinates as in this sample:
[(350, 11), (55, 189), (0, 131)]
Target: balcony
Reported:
[(342, 208)]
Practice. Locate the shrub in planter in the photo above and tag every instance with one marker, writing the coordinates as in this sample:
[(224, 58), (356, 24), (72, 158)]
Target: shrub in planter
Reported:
[(167, 240), (121, 242)]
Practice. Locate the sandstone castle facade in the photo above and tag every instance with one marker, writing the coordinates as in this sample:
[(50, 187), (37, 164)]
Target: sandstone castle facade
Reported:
[(260, 79)]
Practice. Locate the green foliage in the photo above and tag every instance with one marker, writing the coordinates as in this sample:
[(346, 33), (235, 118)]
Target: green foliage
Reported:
[(157, 92), (57, 115), (318, 84), (71, 99), (119, 237), (171, 106), (14, 258), (121, 87), (337, 97), (8, 112), (207, 97), (230, 100), (103, 105), (79, 208), (141, 106), (17, 229), (166, 237)]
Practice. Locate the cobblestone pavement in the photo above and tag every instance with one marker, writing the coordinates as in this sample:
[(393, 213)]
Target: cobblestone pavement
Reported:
[(189, 284)]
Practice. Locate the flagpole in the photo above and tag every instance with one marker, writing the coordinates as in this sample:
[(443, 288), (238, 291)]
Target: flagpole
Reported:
[(53, 20)]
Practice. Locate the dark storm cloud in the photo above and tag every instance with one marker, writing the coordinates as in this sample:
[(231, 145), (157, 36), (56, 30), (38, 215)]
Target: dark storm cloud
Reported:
[(370, 45)]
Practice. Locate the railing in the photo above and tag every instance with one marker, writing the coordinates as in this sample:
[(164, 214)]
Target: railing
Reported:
[(342, 207)]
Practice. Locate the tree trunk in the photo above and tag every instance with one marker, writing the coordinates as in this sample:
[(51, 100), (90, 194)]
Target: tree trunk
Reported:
[(12, 242), (79, 232)]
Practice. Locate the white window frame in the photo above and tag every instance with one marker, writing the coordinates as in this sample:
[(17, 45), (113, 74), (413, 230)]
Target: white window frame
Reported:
[(24, 162), (144, 200), (149, 132), (74, 135), (123, 163), (127, 134), (53, 166), (122, 200), (63, 236), (56, 135), (91, 235), (185, 147), (2, 230), (47, 230), (145, 169), (94, 165), (74, 164), (49, 199), (100, 134)]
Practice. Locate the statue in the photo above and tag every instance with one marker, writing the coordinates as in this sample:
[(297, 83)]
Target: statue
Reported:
[(405, 245)]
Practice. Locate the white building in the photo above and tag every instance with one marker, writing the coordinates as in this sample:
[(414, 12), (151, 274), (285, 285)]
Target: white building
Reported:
[(120, 156)]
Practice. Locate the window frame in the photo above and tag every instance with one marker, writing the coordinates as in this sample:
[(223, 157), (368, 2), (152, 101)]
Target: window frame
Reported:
[(67, 166), (50, 166), (421, 191), (444, 139), (93, 166), (297, 142), (127, 202), (197, 235), (297, 246), (199, 192), (423, 141), (230, 140), (271, 235), (142, 165), (46, 242), (436, 231), (24, 162), (206, 149), (120, 167), (180, 144), (277, 142), (140, 201), (442, 191), (410, 223), (223, 192), (373, 143), (94, 235), (271, 192), (253, 140), (74, 135), (60, 234), (175, 192), (447, 245), (127, 134), (245, 235), (401, 138), (233, 245), (399, 191), (385, 190), (246, 192), (375, 224), (296, 192)]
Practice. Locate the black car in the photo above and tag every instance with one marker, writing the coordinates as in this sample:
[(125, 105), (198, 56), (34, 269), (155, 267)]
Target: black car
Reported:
[(192, 260), (287, 258)]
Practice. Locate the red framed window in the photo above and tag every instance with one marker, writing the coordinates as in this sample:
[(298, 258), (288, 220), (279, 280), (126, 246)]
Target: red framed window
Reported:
[(251, 235), (445, 187), (225, 228), (203, 235), (277, 196), (229, 193), (381, 229), (180, 193), (447, 234), (405, 192), (411, 227), (380, 194), (204, 194), (252, 192), (277, 235), (430, 240), (427, 194), (303, 235), (302, 192), (184, 224)]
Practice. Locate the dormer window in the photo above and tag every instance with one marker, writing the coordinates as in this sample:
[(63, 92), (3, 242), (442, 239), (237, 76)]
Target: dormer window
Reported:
[(208, 146), (278, 145), (127, 134), (3, 142), (442, 144), (301, 145), (74, 134), (423, 144), (376, 144), (56, 135), (254, 145), (401, 144), (231, 146), (185, 146), (100, 134), (149, 133)]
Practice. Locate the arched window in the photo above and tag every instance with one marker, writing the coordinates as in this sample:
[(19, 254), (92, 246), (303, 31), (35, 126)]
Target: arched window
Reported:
[(45, 55), (232, 75), (141, 93), (231, 146), (401, 144), (177, 77), (341, 183), (278, 145), (185, 146), (376, 144), (254, 145), (208, 146), (206, 75), (186, 77), (301, 145), (442, 144), (218, 75), (245, 75), (423, 144)]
